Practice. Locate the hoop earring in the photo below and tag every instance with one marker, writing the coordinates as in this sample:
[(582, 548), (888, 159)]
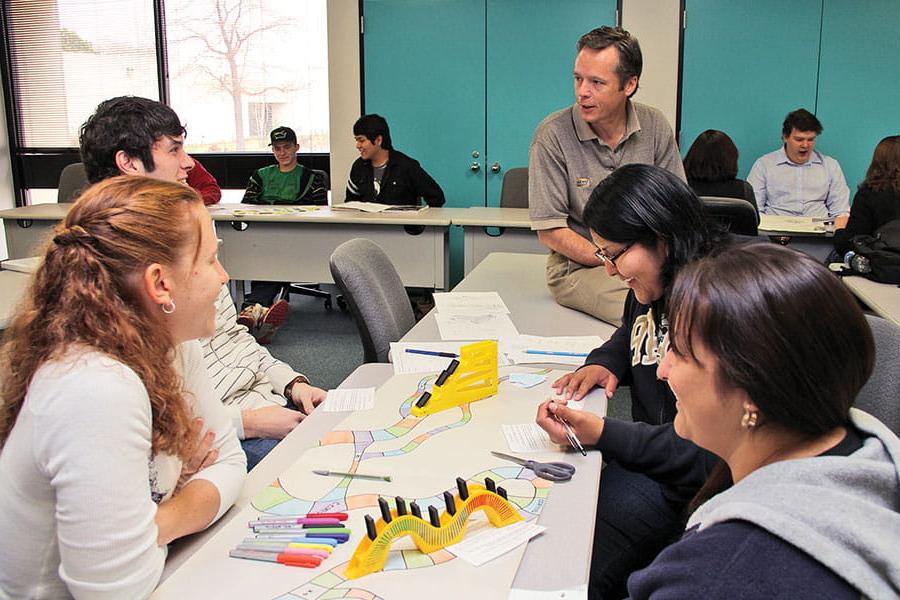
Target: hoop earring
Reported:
[(750, 419), (168, 307)]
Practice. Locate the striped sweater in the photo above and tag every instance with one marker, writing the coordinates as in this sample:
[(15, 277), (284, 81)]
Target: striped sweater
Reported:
[(244, 374)]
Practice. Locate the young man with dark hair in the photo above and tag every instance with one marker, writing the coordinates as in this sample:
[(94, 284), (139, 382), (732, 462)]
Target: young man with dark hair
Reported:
[(577, 147), (137, 136), (798, 180), (382, 174)]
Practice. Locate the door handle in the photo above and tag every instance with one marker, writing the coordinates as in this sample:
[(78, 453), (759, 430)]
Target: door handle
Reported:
[(476, 166), (495, 168)]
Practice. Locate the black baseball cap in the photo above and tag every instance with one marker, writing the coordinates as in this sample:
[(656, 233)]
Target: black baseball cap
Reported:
[(282, 134)]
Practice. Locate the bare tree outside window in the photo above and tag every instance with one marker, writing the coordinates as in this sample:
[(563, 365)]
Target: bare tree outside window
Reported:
[(239, 67)]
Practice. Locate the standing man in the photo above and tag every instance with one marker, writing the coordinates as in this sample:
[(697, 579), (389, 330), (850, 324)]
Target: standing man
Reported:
[(382, 174), (137, 136), (286, 182), (575, 148), (796, 179)]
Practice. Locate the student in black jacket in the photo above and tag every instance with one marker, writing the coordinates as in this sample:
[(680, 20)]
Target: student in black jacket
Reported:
[(711, 166), (767, 353), (647, 224), (384, 175)]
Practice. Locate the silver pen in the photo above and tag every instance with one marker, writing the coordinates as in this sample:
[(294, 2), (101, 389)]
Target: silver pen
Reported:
[(352, 475), (573, 439)]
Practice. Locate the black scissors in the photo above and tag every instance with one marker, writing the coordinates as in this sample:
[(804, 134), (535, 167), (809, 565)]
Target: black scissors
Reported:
[(551, 471)]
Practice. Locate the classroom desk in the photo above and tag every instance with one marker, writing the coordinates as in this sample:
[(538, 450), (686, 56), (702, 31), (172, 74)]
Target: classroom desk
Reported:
[(800, 233), (882, 298), (12, 288), (27, 227), (296, 247), (568, 513), (487, 230), (286, 247), (521, 282)]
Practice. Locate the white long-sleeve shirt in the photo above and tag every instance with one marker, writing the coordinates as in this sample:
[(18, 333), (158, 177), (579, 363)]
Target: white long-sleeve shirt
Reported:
[(245, 375), (79, 485)]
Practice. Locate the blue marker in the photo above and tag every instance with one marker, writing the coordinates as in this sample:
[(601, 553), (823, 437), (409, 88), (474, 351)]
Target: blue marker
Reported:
[(551, 353), (432, 353)]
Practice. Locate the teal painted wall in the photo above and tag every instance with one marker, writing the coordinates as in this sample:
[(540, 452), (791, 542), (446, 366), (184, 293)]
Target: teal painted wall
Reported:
[(859, 81), (457, 76), (747, 63)]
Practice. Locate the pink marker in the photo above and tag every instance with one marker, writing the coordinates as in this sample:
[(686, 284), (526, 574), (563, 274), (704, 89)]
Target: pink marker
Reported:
[(295, 521)]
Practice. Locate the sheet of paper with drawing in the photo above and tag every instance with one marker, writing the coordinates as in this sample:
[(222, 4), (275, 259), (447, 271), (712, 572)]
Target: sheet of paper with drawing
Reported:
[(470, 303), (423, 456)]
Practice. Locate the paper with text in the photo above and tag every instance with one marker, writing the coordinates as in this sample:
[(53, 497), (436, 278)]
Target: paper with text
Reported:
[(476, 327), (470, 303), (489, 543), (527, 437), (343, 400)]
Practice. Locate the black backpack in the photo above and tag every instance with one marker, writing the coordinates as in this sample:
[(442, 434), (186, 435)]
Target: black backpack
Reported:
[(878, 256)]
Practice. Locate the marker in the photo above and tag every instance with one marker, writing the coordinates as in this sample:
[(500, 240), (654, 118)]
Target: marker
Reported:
[(553, 353), (432, 353), (353, 475), (286, 549), (292, 560), (289, 539), (299, 521), (573, 439), (340, 516)]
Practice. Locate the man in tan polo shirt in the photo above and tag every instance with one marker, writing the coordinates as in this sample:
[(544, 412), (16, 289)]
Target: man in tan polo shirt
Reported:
[(577, 147)]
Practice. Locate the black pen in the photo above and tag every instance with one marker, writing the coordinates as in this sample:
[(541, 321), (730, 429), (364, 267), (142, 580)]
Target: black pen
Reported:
[(573, 439), (432, 353)]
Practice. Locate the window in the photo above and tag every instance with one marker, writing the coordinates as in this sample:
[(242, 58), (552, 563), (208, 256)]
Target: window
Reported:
[(67, 56), (239, 68)]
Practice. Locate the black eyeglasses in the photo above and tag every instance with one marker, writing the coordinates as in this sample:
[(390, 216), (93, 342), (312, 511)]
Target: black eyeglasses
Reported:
[(605, 258)]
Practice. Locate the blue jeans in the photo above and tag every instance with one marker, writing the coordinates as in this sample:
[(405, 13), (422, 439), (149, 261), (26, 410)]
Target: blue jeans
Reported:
[(634, 523), (256, 449)]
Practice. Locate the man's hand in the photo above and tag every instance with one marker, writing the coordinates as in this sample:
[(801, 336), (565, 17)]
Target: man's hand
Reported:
[(575, 385), (571, 245), (307, 397), (271, 422)]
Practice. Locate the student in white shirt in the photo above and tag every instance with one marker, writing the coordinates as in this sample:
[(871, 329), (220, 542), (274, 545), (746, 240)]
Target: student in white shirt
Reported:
[(113, 441)]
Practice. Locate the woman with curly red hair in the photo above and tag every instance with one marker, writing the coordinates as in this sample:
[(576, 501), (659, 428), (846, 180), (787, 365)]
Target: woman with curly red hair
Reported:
[(113, 443)]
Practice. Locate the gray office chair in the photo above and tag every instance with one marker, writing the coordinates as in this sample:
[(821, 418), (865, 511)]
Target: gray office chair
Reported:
[(514, 192), (378, 302), (736, 214), (72, 181), (880, 396)]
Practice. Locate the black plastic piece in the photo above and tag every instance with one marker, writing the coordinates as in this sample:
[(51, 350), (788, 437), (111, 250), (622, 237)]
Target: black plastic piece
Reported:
[(423, 399), (370, 528), (415, 510), (385, 510), (433, 516), (449, 503), (490, 485), (502, 493), (401, 506), (463, 488)]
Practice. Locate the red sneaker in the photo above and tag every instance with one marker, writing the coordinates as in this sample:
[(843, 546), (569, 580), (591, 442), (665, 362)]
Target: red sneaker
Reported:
[(271, 321)]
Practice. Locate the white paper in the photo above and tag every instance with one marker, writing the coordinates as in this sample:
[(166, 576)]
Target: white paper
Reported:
[(527, 437), (574, 593), (791, 224), (343, 400), (526, 380), (238, 210), (476, 327), (375, 207), (575, 344), (488, 544), (470, 303), (407, 362)]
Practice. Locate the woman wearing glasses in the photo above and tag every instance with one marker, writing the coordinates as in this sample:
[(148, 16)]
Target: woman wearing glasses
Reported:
[(647, 224), (768, 353)]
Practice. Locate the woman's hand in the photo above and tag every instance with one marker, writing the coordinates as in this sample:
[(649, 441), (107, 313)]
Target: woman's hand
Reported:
[(578, 383), (202, 456), (307, 397), (586, 426)]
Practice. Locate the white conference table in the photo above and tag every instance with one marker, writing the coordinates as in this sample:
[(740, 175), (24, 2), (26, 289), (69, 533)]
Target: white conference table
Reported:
[(12, 288), (806, 234), (490, 229), (882, 298), (285, 247), (569, 512)]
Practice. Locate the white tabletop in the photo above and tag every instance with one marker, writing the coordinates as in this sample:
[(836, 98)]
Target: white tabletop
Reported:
[(12, 288), (882, 298), (521, 281)]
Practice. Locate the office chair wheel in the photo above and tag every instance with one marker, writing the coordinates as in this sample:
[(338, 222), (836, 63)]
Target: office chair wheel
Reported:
[(328, 304), (342, 304)]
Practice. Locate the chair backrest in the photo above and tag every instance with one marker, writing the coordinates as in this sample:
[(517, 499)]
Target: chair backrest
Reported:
[(72, 181), (736, 214), (372, 288), (880, 396), (514, 192), (325, 177)]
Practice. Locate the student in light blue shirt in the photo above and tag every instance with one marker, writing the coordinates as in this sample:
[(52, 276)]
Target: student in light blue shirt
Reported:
[(796, 179)]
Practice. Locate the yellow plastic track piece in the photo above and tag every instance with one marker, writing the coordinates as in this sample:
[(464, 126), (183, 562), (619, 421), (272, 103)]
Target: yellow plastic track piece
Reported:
[(473, 377)]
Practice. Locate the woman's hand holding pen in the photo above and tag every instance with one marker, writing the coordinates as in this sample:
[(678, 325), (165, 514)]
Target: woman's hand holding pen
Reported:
[(586, 426), (575, 385)]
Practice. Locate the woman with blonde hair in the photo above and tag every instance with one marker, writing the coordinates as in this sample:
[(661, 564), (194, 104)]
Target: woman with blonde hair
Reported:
[(877, 200), (113, 443)]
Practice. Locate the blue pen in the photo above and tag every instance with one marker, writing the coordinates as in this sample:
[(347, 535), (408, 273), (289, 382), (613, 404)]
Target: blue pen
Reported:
[(432, 353), (551, 353)]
